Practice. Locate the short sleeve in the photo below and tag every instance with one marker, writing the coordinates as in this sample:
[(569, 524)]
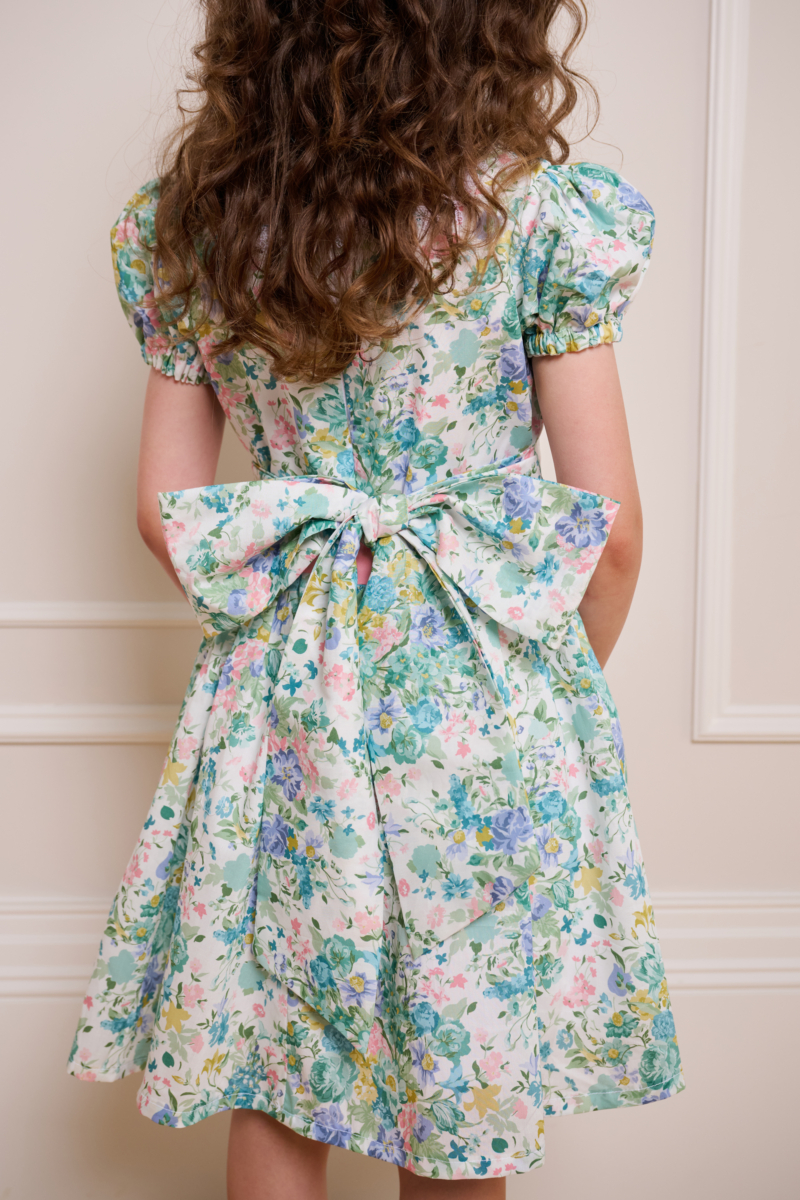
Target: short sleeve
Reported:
[(167, 341), (589, 236)]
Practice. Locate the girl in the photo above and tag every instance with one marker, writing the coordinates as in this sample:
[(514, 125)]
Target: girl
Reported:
[(389, 896)]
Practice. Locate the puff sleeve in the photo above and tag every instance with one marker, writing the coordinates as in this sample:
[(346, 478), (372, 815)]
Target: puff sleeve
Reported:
[(167, 342), (589, 237)]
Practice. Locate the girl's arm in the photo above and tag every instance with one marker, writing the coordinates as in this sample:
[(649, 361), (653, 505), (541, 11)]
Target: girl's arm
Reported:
[(181, 437), (580, 400)]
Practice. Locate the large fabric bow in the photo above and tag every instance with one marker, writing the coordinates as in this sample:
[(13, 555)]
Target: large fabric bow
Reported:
[(509, 550)]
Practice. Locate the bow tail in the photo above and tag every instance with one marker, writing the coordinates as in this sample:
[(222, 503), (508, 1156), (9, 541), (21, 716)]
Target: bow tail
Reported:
[(320, 885), (450, 790)]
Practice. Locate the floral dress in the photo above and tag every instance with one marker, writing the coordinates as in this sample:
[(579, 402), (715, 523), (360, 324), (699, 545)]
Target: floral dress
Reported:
[(390, 890)]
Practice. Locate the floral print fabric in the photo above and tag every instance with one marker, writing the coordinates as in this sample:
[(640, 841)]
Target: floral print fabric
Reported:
[(390, 889)]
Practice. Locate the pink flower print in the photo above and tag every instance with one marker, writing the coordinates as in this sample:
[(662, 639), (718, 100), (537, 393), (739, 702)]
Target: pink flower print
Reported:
[(580, 993), (386, 635), (258, 593), (521, 1110), (458, 981), (196, 1044), (195, 965), (585, 561), (435, 917), (339, 925), (481, 1036), (403, 887), (87, 1076), (88, 1002), (127, 231), (367, 922), (259, 1010), (185, 747), (133, 871), (556, 599), (391, 786), (516, 613), (346, 789), (448, 542), (596, 850), (341, 682), (491, 1064), (377, 1045), (414, 774), (284, 434), (616, 896), (191, 994)]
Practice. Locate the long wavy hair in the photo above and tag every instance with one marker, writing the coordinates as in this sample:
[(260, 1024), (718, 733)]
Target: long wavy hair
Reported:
[(327, 180)]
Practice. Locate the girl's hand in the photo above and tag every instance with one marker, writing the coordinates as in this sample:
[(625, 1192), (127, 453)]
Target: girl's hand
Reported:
[(181, 437), (580, 400)]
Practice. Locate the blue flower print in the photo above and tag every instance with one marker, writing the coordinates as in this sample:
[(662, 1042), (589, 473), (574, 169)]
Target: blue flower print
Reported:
[(512, 363), (388, 1145), (501, 889), (510, 829), (329, 1126), (143, 320), (427, 627), (358, 988), (282, 621), (275, 834), (423, 1128), (554, 851), (454, 886), (520, 499), (546, 570), (628, 195), (379, 593), (540, 905), (426, 1065), (382, 717), (583, 527), (663, 1026), (409, 478), (288, 773)]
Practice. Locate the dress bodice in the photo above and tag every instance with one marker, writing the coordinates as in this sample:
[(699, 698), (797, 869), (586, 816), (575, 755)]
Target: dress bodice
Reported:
[(454, 391)]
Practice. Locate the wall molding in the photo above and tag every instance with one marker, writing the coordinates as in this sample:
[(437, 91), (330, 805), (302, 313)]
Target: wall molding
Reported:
[(91, 724), (716, 717), (96, 614), (724, 942), (87, 724)]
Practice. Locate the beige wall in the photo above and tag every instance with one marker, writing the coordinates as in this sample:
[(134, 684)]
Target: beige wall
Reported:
[(94, 664)]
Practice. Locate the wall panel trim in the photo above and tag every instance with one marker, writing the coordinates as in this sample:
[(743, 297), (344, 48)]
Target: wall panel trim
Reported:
[(96, 614), (716, 718), (117, 724)]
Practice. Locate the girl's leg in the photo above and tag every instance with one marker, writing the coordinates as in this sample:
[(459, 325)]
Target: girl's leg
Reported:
[(269, 1161), (414, 1187)]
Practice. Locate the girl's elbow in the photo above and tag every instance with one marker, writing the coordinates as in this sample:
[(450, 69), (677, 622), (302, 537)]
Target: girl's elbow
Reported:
[(149, 529), (623, 551)]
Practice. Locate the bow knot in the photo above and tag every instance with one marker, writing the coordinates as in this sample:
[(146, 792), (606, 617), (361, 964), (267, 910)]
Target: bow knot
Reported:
[(381, 516)]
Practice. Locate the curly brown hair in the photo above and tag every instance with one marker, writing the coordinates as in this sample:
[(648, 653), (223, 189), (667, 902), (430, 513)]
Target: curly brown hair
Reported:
[(313, 190)]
